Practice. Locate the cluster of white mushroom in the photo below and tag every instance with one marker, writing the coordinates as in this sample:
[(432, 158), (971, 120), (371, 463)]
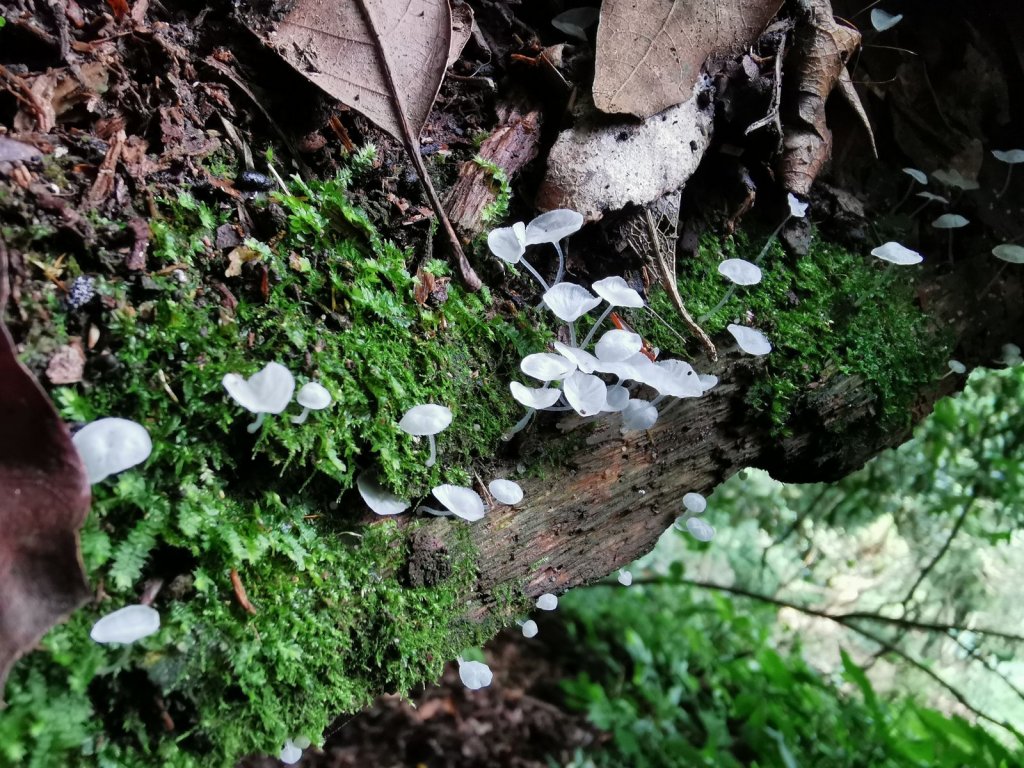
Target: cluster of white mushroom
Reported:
[(695, 505), (270, 390)]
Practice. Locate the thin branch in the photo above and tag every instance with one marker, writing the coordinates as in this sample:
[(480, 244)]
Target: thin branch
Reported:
[(941, 553)]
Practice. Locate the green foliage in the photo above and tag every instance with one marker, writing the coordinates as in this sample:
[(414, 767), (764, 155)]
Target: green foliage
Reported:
[(829, 312), (681, 679), (496, 211)]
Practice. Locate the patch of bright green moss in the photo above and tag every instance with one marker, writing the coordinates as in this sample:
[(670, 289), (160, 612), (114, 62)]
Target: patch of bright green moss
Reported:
[(831, 311), (335, 621)]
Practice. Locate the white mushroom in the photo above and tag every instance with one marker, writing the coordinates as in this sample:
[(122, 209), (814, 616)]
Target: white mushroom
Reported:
[(111, 445), (750, 340), (919, 176), (618, 345), (637, 415), (546, 366), (529, 628), (955, 366), (695, 503), (266, 391), (508, 243), (617, 292), (551, 227), (1009, 252), (883, 20), (797, 209), (625, 577), (950, 221), (460, 501), (1011, 157), (505, 491), (586, 393), (740, 271), (616, 398), (426, 421), (377, 498), (547, 602), (569, 301), (537, 398), (290, 753), (474, 674), (126, 625), (583, 360), (895, 253), (312, 397), (700, 529)]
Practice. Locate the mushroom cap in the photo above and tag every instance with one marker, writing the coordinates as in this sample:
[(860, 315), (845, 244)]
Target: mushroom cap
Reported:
[(750, 340), (625, 577), (569, 301), (291, 753), (895, 253), (616, 398), (537, 398), (552, 226), (547, 602), (618, 345), (1010, 354), (585, 361), (740, 271), (427, 419), (957, 367), (638, 414), (266, 391), (547, 366), (950, 221), (111, 445), (953, 178), (883, 20), (508, 243), (681, 380), (1010, 156), (529, 628), (377, 498), (314, 396), (616, 291), (1014, 254), (936, 198), (797, 209), (707, 382), (506, 491), (586, 393), (460, 501), (919, 176), (695, 502), (475, 674), (126, 625), (700, 529)]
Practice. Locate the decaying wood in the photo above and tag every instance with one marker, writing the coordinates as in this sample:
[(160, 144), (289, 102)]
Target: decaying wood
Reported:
[(513, 144)]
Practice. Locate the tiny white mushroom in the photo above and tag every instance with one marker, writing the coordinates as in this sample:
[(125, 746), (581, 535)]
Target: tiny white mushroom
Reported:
[(617, 345), (426, 420), (1010, 355), (750, 340), (797, 209), (695, 503), (537, 398), (585, 361), (883, 20), (895, 253), (547, 366), (529, 628), (950, 221), (586, 393), (506, 491), (460, 501), (638, 414), (625, 577), (700, 529), (547, 602), (1009, 252), (707, 382), (108, 446), (377, 498), (616, 398), (919, 176), (569, 301), (1011, 157), (290, 753), (312, 397), (266, 391), (955, 366), (740, 271), (508, 243), (617, 293), (474, 674), (552, 226), (575, 21), (126, 625)]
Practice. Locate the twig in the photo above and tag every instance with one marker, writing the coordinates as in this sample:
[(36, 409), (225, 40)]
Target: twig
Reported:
[(469, 277), (941, 553), (240, 595)]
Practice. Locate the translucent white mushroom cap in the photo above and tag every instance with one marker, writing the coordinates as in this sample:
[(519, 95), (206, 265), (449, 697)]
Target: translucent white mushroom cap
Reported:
[(625, 577), (428, 419), (1010, 355), (750, 340), (797, 209), (126, 625), (616, 291), (314, 396), (537, 398), (895, 253), (950, 221), (586, 393), (460, 501), (505, 491), (953, 178), (617, 345), (957, 367), (379, 499), (700, 528), (1010, 252), (682, 380), (919, 176), (529, 628), (569, 301), (583, 360), (616, 398), (695, 503), (475, 674), (546, 366), (290, 753), (933, 197), (547, 602), (266, 391), (638, 414), (1009, 156), (111, 445), (883, 20), (552, 226), (740, 271), (508, 243)]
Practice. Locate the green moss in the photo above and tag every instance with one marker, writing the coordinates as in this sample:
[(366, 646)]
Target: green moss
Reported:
[(496, 211), (831, 311), (336, 622)]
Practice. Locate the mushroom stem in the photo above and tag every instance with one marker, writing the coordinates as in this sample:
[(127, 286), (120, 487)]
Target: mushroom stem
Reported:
[(903, 199), (433, 451), (572, 333), (519, 425), (301, 418), (595, 326), (535, 273), (950, 249), (1006, 185), (561, 263), (256, 424)]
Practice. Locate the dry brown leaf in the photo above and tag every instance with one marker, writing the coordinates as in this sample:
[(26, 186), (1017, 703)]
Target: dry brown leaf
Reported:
[(330, 43), (649, 52), (462, 30)]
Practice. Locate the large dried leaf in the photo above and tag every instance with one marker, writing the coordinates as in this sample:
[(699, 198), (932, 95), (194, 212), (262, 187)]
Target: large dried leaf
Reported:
[(331, 44), (44, 497), (649, 52)]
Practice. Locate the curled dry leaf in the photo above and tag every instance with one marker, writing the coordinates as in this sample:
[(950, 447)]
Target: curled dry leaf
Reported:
[(649, 52), (45, 499)]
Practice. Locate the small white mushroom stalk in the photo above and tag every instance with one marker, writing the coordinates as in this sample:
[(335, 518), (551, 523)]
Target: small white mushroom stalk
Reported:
[(474, 674), (312, 397), (126, 625), (895, 253), (267, 391), (750, 340), (916, 177), (950, 221), (460, 501), (426, 421), (111, 445)]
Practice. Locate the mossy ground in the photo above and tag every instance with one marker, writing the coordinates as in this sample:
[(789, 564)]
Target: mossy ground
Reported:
[(336, 621)]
